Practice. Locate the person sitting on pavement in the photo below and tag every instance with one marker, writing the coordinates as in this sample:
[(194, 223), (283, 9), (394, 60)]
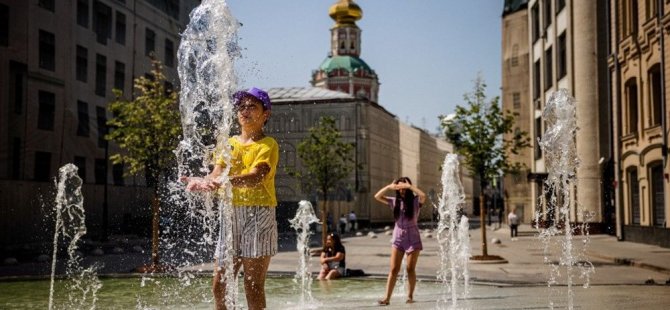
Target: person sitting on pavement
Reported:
[(333, 256)]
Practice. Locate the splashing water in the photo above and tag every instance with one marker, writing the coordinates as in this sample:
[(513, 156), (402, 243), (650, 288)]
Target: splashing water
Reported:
[(303, 218), (82, 283), (453, 236), (558, 145), (195, 224)]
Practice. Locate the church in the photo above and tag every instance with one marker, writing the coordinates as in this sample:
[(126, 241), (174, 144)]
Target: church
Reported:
[(346, 88)]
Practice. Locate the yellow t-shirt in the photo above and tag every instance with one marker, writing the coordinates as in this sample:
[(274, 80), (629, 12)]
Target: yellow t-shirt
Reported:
[(243, 159)]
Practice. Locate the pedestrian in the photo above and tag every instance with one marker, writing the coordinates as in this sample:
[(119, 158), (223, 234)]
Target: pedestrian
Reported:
[(253, 161), (333, 258), (343, 224), (406, 240), (513, 221), (352, 221)]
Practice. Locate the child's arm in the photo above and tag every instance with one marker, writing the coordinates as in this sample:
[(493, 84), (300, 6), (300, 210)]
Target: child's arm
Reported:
[(253, 178), (379, 196)]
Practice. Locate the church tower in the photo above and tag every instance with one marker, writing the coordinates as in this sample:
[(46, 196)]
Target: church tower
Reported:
[(343, 70)]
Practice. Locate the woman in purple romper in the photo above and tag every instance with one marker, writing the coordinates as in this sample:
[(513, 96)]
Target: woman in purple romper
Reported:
[(406, 238)]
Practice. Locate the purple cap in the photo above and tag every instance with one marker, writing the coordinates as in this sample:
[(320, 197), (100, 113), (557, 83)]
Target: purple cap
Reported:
[(256, 93)]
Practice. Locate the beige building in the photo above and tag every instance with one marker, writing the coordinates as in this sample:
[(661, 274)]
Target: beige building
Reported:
[(385, 149), (567, 49), (59, 62), (637, 62), (346, 89), (516, 99)]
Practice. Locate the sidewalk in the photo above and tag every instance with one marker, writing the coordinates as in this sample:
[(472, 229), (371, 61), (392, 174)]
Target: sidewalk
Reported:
[(615, 262)]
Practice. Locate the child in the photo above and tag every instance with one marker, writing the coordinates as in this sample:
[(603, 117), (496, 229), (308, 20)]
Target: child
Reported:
[(254, 159), (333, 256), (406, 238)]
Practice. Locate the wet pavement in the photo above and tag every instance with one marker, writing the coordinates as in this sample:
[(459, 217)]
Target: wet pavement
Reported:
[(626, 274)]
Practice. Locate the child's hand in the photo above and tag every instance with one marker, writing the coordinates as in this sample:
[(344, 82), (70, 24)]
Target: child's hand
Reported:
[(195, 184)]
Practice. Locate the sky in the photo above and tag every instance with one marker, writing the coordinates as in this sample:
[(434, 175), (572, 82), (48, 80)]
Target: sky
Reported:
[(426, 53)]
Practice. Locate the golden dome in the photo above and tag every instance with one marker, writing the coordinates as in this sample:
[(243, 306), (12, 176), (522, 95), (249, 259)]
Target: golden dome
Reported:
[(345, 12)]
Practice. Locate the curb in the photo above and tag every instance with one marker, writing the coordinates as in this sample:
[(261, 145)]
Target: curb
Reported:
[(629, 262)]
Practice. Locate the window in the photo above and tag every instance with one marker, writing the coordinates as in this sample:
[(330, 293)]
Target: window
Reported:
[(102, 126), (119, 75), (516, 100), (47, 5), (634, 190), (120, 28), (15, 162), (47, 110), (562, 58), (514, 61), (80, 162), (169, 7), (169, 53), (548, 72), (631, 99), (47, 57), (149, 42), (102, 22), (629, 20), (82, 64), (4, 25), (650, 7), (538, 136), (83, 127), (100, 171), (546, 5), (117, 174), (560, 4), (17, 82), (100, 75), (42, 166), (536, 80), (82, 13), (655, 91), (657, 195), (535, 20)]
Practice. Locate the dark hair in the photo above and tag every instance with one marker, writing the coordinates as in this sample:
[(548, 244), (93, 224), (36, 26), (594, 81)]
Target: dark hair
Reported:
[(337, 244), (408, 200)]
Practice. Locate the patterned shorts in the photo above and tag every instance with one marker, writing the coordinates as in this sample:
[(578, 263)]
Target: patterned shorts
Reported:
[(254, 232)]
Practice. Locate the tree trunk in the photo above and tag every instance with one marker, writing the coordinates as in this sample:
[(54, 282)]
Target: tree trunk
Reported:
[(324, 220), (482, 216), (155, 217)]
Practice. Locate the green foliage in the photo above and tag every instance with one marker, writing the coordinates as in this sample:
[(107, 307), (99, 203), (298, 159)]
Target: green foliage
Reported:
[(478, 133), (327, 160), (146, 128)]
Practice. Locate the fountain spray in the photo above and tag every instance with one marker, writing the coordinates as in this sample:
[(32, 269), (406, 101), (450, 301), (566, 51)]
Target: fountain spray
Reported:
[(559, 147), (452, 235), (82, 283), (303, 218)]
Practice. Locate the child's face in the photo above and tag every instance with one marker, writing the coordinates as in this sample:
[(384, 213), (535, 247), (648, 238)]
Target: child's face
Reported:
[(250, 113)]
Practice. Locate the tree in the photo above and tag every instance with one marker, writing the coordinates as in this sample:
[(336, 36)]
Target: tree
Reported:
[(147, 129), (478, 133), (327, 160)]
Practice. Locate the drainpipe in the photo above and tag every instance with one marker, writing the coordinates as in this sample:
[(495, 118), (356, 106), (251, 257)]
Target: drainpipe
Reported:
[(618, 193), (664, 149)]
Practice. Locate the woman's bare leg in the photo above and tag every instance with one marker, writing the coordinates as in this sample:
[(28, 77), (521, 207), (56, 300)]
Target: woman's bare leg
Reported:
[(255, 270), (412, 258), (396, 261)]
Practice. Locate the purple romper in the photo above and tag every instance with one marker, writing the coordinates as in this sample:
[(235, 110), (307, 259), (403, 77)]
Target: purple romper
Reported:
[(406, 235)]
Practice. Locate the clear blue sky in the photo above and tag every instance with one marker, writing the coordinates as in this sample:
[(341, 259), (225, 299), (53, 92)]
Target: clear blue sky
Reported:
[(426, 53)]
